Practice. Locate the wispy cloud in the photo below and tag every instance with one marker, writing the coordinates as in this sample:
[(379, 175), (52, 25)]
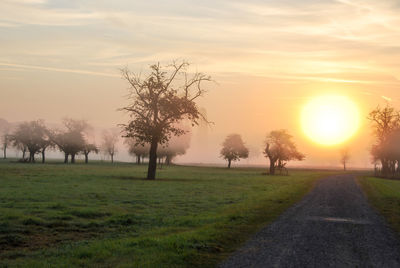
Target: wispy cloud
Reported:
[(63, 70), (387, 98)]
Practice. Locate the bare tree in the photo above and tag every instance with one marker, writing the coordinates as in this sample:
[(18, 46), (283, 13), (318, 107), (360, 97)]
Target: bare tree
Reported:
[(280, 149), (71, 140), (233, 149), (109, 145), (5, 138), (159, 103), (344, 157)]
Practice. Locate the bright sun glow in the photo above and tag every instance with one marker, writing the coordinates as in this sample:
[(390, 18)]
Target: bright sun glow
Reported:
[(330, 120)]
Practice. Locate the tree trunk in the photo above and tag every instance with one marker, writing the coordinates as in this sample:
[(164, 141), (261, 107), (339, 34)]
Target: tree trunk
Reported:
[(229, 163), (112, 158), (43, 156), (344, 166), (271, 167), (151, 171), (168, 160), (31, 157), (23, 154), (86, 158), (138, 160), (385, 167), (72, 158), (5, 151), (65, 158)]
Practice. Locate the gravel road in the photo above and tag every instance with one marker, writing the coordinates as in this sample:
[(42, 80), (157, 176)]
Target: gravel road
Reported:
[(333, 226)]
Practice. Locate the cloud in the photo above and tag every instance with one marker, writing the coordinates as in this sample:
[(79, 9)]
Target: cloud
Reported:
[(51, 69), (25, 13), (320, 41), (387, 98)]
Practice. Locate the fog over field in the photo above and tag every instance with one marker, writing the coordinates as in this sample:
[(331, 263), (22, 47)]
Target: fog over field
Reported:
[(63, 59)]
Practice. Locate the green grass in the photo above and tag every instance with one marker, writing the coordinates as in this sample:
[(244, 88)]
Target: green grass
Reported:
[(384, 195), (105, 215)]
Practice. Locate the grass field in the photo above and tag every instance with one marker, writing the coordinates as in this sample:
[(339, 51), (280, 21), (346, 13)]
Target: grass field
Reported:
[(104, 215), (384, 195)]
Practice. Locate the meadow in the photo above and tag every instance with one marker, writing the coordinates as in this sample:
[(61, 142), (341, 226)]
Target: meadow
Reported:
[(384, 195), (104, 215)]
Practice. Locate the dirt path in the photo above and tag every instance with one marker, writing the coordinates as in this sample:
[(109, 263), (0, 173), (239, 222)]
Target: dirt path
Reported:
[(333, 226)]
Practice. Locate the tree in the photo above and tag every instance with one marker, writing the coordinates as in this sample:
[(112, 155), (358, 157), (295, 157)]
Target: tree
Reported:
[(344, 157), (87, 149), (280, 149), (233, 149), (159, 103), (138, 150), (385, 121), (177, 145), (71, 140), (32, 136), (110, 139), (5, 138)]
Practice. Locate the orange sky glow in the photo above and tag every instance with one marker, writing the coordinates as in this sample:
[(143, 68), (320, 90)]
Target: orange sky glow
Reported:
[(269, 58)]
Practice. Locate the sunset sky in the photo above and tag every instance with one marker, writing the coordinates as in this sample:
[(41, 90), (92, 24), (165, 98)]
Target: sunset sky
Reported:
[(62, 58)]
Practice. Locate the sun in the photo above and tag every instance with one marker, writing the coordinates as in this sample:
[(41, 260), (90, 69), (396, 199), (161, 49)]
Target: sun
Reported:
[(330, 120)]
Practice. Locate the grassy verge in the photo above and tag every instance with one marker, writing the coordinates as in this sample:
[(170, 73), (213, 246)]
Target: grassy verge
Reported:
[(105, 215), (384, 195)]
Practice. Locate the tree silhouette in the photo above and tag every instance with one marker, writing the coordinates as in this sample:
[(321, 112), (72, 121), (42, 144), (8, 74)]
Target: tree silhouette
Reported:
[(233, 149), (280, 149), (344, 157), (71, 140), (5, 137), (159, 102), (385, 121), (109, 144), (33, 136)]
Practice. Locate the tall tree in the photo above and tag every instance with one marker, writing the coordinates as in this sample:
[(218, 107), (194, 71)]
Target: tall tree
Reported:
[(344, 157), (280, 148), (109, 145), (159, 102), (233, 149)]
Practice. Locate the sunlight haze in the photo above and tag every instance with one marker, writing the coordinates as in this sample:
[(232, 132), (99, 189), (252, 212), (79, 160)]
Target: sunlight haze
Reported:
[(269, 59)]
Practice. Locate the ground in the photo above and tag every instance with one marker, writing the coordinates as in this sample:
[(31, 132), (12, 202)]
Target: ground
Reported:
[(106, 215), (384, 195), (333, 226)]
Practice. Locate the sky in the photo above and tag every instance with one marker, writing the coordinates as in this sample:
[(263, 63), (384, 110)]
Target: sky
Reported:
[(62, 59)]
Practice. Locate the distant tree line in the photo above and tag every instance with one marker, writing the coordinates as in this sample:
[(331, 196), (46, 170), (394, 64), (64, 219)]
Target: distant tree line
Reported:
[(35, 138)]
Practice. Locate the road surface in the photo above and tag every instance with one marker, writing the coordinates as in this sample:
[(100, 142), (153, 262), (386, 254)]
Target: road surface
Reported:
[(333, 226)]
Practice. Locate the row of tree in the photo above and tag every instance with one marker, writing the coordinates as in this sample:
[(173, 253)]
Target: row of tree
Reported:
[(34, 137), (279, 148)]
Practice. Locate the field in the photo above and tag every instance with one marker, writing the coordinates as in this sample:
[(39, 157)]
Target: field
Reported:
[(384, 195), (106, 215)]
